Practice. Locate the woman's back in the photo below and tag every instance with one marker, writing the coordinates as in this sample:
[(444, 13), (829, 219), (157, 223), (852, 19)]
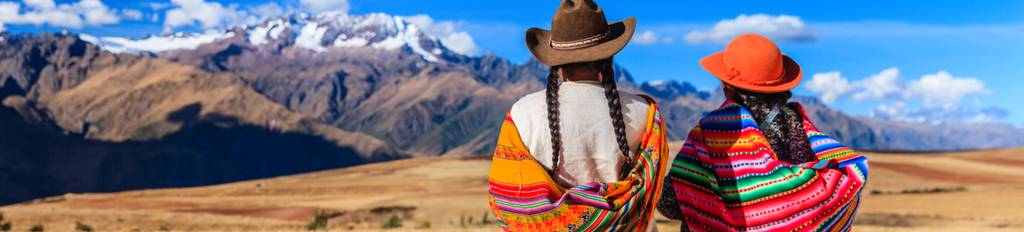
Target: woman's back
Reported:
[(590, 152)]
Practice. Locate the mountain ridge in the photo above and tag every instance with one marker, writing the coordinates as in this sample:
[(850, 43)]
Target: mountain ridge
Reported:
[(215, 108)]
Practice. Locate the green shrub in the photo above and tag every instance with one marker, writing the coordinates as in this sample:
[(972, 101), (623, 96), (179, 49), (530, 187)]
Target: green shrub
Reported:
[(319, 221), (393, 222), (79, 226)]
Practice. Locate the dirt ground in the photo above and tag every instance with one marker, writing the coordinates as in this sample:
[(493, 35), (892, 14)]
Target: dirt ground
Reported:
[(970, 191)]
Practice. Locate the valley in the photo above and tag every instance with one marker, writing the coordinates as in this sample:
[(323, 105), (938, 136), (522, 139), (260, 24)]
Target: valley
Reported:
[(968, 191)]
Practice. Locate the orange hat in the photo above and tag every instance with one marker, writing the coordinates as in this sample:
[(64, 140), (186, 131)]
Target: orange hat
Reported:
[(754, 63)]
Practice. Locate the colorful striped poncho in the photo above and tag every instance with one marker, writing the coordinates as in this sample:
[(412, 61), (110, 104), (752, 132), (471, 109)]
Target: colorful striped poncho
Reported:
[(525, 198), (727, 178)]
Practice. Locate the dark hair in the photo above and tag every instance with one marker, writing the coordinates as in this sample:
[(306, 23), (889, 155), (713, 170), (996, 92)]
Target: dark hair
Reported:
[(786, 132), (611, 94)]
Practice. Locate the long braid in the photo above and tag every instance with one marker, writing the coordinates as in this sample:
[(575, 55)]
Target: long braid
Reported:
[(786, 132), (611, 93), (553, 121)]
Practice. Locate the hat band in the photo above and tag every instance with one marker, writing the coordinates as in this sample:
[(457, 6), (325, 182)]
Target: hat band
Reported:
[(736, 74), (581, 43)]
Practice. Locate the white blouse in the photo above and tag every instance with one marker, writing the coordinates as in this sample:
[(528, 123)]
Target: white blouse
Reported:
[(590, 151)]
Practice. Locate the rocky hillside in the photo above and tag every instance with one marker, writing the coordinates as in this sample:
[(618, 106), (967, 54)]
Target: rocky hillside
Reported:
[(301, 93), (77, 118)]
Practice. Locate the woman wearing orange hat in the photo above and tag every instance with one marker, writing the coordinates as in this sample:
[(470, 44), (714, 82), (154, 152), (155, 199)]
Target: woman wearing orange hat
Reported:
[(579, 155), (757, 162)]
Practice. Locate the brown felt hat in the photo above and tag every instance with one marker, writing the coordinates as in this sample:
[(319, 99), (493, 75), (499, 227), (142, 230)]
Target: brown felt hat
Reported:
[(579, 33)]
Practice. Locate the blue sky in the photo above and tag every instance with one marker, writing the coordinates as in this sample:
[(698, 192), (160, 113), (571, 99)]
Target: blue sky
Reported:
[(935, 60)]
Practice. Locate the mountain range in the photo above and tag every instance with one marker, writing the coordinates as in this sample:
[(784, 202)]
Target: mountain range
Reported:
[(301, 93)]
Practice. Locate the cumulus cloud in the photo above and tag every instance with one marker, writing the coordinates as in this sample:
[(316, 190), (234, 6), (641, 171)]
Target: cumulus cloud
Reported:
[(781, 27), (882, 85), (132, 14), (943, 89), (48, 12), (448, 32), (207, 15), (931, 98), (41, 4), (829, 86), (213, 15), (900, 111), (318, 6), (158, 5), (938, 89), (268, 10), (833, 86), (649, 37)]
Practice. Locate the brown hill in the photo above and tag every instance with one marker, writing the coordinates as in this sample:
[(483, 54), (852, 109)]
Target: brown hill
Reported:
[(81, 119), (453, 105), (974, 191)]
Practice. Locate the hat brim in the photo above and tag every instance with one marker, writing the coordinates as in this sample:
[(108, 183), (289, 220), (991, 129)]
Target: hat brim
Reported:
[(538, 42), (715, 65)]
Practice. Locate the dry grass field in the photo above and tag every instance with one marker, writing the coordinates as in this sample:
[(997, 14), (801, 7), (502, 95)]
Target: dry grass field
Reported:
[(969, 191)]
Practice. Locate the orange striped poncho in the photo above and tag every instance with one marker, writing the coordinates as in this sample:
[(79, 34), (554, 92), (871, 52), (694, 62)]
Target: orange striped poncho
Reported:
[(525, 198)]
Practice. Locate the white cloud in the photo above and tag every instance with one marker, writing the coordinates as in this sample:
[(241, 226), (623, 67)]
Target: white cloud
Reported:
[(943, 89), (646, 37), (48, 12), (461, 42), (96, 13), (781, 27), (155, 6), (448, 32), (832, 86), (829, 85), (1, 27), (268, 10), (40, 4), (649, 37), (318, 6), (132, 14), (208, 15), (939, 89), (900, 111), (882, 85), (933, 98)]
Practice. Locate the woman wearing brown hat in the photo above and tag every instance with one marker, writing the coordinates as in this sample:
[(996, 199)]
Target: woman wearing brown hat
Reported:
[(579, 155), (758, 162)]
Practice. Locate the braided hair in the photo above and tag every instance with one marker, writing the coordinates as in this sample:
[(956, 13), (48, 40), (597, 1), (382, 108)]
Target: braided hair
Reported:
[(553, 122), (611, 93), (785, 132)]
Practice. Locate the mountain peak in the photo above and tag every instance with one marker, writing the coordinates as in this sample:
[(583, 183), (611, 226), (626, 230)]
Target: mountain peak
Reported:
[(671, 89), (317, 33)]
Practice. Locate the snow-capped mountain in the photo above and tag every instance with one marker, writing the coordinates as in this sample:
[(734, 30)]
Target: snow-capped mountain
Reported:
[(317, 33), (672, 89)]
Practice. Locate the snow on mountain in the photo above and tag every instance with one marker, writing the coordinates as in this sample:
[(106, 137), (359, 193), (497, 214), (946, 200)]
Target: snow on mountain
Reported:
[(155, 44), (311, 37), (318, 33), (271, 30), (375, 30)]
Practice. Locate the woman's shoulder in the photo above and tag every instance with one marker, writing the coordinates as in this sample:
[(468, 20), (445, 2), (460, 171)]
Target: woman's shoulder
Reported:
[(636, 107), (635, 99), (530, 101)]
